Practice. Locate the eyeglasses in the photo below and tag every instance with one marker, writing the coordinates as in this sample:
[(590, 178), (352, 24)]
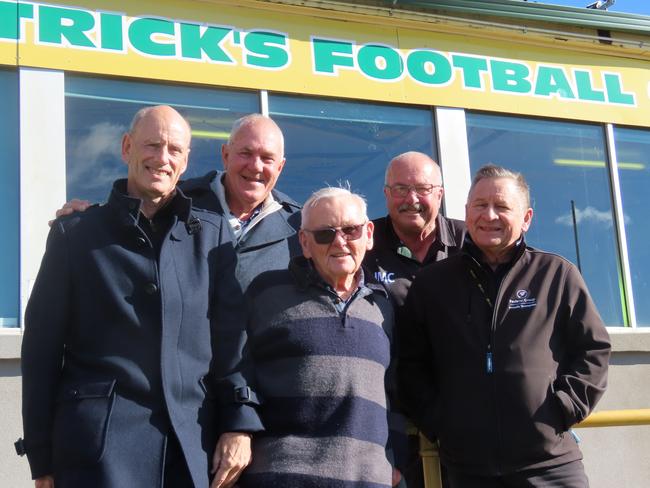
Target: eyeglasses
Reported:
[(401, 191), (327, 235)]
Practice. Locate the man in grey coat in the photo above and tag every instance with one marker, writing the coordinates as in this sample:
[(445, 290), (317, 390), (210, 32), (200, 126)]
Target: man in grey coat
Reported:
[(121, 353), (263, 222)]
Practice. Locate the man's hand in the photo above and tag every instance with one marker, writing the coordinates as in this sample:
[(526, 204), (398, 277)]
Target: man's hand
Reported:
[(231, 456), (73, 205), (397, 477), (44, 482)]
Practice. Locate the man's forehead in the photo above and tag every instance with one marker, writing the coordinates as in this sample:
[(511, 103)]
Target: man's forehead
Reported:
[(336, 212), (497, 189), (414, 171)]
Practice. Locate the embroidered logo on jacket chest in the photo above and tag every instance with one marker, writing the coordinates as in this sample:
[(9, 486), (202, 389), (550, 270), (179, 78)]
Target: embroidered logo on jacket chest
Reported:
[(522, 299)]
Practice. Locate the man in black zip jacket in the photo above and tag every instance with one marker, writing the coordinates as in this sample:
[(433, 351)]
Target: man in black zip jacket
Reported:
[(505, 350)]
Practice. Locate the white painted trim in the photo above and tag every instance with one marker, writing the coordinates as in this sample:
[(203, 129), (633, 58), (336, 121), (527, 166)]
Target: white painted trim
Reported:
[(620, 223), (264, 102), (42, 166), (453, 152)]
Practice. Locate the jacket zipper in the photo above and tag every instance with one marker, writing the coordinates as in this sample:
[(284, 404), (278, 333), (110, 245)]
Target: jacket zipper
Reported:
[(490, 355)]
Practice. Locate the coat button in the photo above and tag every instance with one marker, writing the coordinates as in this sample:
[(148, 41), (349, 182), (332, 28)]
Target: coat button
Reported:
[(150, 288), (141, 241), (74, 393)]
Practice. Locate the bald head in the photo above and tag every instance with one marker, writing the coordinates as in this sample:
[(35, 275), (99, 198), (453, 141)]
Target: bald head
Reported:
[(412, 160), (162, 112), (260, 123)]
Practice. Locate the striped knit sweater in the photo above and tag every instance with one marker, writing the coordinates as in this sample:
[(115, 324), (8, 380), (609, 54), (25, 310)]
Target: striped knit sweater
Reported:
[(320, 375)]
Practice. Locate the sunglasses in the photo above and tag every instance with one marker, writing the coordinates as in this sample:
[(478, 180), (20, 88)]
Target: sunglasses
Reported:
[(327, 236)]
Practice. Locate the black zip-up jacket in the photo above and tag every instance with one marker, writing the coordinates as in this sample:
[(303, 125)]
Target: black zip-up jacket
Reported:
[(500, 386)]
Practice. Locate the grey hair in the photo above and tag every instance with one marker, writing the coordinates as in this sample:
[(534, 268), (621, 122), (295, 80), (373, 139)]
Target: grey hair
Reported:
[(330, 193), (144, 111), (405, 155), (251, 119), (494, 171)]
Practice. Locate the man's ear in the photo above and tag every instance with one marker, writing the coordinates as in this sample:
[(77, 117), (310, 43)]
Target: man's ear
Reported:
[(224, 155), (528, 218), (370, 229), (302, 237), (126, 147)]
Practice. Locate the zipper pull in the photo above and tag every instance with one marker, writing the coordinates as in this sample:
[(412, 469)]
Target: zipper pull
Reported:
[(489, 365)]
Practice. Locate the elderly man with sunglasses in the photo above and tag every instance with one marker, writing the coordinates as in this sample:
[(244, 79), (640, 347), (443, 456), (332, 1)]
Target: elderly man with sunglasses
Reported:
[(413, 235), (318, 347)]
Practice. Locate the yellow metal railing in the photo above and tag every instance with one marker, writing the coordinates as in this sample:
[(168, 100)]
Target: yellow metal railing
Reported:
[(617, 418), (606, 418)]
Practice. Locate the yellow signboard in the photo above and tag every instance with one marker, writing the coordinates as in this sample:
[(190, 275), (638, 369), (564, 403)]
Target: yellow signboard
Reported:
[(224, 45)]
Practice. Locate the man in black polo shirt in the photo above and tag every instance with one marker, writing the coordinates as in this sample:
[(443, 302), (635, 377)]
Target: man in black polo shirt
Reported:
[(412, 235)]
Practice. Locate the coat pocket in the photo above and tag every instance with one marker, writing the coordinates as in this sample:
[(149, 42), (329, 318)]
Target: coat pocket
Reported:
[(81, 424)]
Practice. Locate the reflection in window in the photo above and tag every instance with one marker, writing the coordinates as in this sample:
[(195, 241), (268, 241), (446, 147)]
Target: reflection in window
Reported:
[(564, 164), (329, 141), (9, 200), (99, 111), (633, 156)]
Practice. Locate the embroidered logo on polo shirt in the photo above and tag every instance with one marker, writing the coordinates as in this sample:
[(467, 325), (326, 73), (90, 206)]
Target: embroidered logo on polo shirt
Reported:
[(521, 300), (385, 277)]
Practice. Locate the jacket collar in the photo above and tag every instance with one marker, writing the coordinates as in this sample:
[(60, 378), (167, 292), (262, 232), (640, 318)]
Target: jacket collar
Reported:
[(211, 181), (128, 207), (473, 253)]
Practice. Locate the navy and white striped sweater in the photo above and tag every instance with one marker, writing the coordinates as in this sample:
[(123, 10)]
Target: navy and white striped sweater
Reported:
[(320, 375)]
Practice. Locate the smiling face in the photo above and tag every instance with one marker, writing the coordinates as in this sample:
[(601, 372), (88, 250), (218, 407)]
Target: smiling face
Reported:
[(338, 261), (156, 152), (253, 159), (413, 214), (496, 216)]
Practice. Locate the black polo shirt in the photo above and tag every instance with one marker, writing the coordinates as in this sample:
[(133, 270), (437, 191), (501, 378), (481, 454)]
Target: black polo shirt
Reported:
[(390, 262)]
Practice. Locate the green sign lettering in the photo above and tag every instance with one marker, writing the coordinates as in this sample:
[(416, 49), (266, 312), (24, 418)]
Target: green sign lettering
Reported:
[(329, 54), (111, 31), (57, 23), (510, 76), (141, 32), (10, 15), (585, 89), (380, 62), (471, 67), (550, 81), (194, 43), (439, 72), (615, 93), (266, 50)]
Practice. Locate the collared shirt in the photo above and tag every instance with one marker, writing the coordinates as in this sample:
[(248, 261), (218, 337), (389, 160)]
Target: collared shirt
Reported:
[(242, 226), (392, 263), (339, 303)]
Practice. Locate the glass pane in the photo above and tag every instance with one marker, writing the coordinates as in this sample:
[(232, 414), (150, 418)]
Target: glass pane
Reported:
[(330, 141), (9, 200), (633, 155), (98, 112), (564, 164)]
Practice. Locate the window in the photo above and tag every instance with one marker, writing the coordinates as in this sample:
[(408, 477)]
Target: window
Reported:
[(99, 111), (565, 165), (9, 200), (330, 141), (633, 156)]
